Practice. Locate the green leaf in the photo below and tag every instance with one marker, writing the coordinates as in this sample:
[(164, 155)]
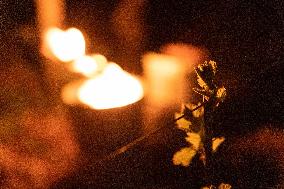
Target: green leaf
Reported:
[(182, 123), (191, 121), (221, 94), (218, 97), (206, 75), (216, 143), (202, 83), (184, 156), (189, 113), (194, 139)]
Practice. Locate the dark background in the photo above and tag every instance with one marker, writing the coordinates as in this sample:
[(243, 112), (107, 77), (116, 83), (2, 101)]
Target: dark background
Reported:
[(245, 38)]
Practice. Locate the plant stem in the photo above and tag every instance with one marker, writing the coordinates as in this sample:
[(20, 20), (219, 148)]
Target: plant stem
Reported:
[(140, 139), (196, 108), (208, 120)]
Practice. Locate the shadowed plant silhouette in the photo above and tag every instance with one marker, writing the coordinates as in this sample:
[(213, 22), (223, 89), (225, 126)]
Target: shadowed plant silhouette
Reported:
[(197, 122)]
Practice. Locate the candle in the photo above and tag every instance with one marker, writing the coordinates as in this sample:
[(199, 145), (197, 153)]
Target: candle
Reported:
[(62, 48), (101, 132), (188, 55), (110, 88), (164, 79), (50, 13), (106, 110), (165, 91)]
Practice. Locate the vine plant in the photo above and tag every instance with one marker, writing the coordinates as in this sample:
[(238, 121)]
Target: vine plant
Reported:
[(197, 122)]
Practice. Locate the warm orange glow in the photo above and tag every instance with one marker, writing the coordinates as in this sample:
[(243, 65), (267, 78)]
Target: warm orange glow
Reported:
[(189, 56), (89, 65), (65, 45), (112, 88), (69, 93), (164, 79), (49, 14)]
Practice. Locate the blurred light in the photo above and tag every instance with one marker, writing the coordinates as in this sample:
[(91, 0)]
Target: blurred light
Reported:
[(66, 45), (165, 79), (189, 55), (89, 65), (112, 88)]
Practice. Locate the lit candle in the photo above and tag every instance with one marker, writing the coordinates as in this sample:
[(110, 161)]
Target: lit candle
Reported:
[(101, 132), (50, 14), (165, 91), (189, 56), (113, 88), (61, 49), (106, 110)]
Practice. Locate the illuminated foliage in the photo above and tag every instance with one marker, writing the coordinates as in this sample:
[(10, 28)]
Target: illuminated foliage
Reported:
[(196, 121), (184, 156), (216, 143)]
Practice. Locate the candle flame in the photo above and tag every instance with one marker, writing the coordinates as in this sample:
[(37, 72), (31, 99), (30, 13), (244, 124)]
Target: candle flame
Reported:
[(107, 86), (164, 79), (89, 65), (65, 45), (112, 88)]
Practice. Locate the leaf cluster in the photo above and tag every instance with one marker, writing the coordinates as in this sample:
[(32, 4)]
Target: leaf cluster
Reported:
[(194, 118)]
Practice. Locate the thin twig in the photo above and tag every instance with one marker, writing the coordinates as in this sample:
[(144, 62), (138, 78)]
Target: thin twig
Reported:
[(197, 107), (130, 145)]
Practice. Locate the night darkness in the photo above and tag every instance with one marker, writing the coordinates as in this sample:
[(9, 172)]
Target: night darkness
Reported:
[(245, 38)]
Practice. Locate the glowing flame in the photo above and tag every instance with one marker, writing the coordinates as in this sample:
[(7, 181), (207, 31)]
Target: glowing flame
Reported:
[(112, 88), (66, 45), (108, 87), (89, 65)]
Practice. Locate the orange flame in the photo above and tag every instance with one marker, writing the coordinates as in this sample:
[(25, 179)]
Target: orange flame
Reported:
[(113, 88), (65, 45), (89, 65), (108, 87)]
